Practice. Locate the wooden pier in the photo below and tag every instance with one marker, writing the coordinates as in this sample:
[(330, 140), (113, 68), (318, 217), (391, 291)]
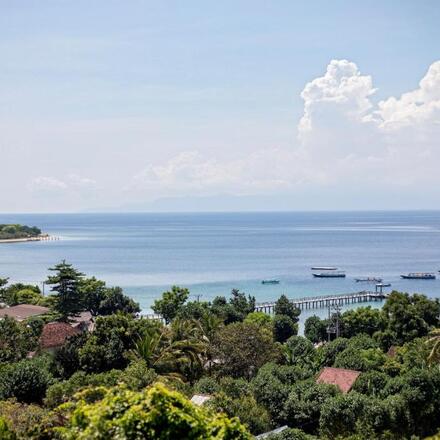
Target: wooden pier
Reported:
[(324, 301)]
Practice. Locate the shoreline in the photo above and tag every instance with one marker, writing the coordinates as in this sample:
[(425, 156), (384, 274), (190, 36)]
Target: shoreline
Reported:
[(44, 237)]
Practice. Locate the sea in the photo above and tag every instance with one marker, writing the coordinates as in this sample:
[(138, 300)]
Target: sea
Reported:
[(213, 253)]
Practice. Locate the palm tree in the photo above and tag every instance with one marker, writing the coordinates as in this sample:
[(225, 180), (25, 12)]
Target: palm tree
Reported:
[(434, 339), (174, 351)]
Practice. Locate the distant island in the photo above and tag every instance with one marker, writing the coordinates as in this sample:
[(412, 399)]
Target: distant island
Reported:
[(18, 233)]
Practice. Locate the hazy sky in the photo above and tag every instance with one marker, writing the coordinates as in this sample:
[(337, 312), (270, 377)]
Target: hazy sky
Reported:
[(133, 105)]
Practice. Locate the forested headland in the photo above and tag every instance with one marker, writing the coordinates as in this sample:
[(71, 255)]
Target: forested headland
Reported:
[(128, 377), (15, 231)]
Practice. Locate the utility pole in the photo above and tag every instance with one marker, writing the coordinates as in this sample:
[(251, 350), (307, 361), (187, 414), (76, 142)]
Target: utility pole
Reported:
[(333, 321)]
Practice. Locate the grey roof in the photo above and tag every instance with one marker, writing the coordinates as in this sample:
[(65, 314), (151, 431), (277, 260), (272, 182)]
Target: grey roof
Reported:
[(275, 431), (23, 311)]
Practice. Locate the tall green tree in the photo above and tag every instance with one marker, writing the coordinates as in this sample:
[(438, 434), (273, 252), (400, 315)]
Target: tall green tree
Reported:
[(284, 306), (242, 348), (315, 329), (3, 283), (99, 299), (66, 283), (170, 303)]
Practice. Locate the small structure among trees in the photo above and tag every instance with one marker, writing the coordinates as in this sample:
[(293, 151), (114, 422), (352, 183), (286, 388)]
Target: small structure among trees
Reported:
[(342, 378)]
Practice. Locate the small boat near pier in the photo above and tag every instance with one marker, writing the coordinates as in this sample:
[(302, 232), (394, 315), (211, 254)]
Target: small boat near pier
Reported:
[(369, 280)]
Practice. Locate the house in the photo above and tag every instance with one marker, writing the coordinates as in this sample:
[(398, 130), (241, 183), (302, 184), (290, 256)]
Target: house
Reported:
[(55, 334), (342, 378), (84, 322), (23, 311)]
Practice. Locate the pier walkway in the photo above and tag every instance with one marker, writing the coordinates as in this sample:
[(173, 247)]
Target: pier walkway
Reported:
[(317, 302)]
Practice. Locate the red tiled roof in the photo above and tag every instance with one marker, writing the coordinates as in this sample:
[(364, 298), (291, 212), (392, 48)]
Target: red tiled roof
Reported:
[(23, 311), (343, 379), (392, 352), (54, 334)]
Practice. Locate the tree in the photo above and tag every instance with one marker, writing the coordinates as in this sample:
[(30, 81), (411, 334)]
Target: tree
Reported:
[(272, 385), (362, 320), (173, 352), (299, 351), (326, 354), (3, 283), (67, 284), (15, 340), (170, 303), (115, 301), (283, 328), (303, 406), (406, 315), (260, 318), (155, 413), (242, 348), (5, 432), (93, 292), (242, 304), (315, 329), (434, 342), (113, 337), (285, 307), (26, 381), (346, 414), (99, 299), (254, 416)]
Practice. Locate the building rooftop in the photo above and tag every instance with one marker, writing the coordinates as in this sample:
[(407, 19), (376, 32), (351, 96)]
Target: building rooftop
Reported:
[(342, 378), (200, 399), (55, 334), (23, 311)]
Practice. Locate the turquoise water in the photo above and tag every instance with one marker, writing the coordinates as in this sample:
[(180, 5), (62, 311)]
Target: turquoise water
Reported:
[(213, 253)]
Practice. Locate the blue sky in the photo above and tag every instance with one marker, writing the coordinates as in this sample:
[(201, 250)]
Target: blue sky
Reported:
[(132, 105)]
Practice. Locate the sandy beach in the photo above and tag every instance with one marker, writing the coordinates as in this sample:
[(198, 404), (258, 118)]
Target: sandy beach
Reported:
[(44, 237)]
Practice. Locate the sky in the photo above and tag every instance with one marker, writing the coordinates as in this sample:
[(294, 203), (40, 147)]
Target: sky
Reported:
[(232, 105)]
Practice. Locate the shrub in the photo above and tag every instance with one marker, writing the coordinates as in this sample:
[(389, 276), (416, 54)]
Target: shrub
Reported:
[(157, 413), (26, 380)]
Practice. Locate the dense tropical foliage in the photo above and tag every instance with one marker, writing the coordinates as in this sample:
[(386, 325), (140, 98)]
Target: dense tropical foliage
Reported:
[(13, 231), (132, 377)]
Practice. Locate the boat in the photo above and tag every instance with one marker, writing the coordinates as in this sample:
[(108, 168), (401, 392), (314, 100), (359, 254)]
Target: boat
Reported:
[(383, 285), (335, 274), (418, 276), (369, 280), (323, 268), (270, 282)]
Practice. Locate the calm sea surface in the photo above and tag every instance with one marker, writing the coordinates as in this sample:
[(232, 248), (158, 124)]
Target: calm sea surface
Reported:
[(213, 253)]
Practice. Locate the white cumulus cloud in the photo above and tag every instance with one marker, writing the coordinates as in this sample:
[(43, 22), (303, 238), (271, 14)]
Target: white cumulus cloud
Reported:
[(343, 139)]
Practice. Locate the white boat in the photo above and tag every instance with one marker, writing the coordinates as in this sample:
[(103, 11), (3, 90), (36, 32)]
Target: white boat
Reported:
[(324, 268)]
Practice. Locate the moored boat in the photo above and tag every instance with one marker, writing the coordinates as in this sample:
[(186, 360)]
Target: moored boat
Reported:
[(270, 282), (418, 276), (335, 274), (324, 268), (369, 280)]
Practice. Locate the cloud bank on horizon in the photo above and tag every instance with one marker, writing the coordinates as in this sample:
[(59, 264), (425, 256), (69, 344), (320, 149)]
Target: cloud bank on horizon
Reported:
[(346, 141), (344, 138)]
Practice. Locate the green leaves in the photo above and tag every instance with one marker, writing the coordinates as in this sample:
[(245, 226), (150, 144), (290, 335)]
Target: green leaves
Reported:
[(157, 413)]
